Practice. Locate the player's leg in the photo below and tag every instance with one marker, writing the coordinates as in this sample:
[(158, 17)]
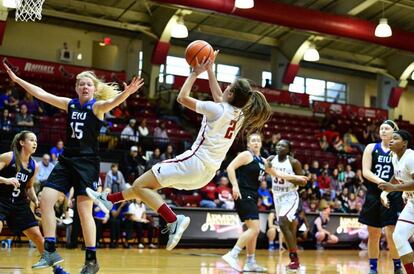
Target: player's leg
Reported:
[(320, 237), (403, 231), (389, 230), (1, 226), (49, 257), (251, 265), (84, 205), (373, 247), (33, 233)]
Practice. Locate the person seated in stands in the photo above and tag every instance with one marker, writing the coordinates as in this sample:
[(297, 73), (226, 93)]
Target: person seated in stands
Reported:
[(24, 118), (209, 196), (32, 104), (302, 226), (273, 233), (105, 136), (323, 143), (56, 151), (315, 169), (117, 215), (142, 128), (266, 198), (320, 225), (324, 182), (349, 173), (114, 180), (8, 101), (130, 133), (351, 141), (121, 112), (169, 153), (224, 193), (136, 218), (132, 164), (161, 138), (154, 158), (5, 125), (45, 168)]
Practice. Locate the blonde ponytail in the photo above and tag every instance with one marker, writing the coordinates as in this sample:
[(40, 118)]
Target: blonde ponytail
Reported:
[(103, 91)]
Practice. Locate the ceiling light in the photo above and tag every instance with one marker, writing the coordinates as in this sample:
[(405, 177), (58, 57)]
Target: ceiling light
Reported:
[(179, 30), (383, 29), (244, 4), (79, 56), (311, 54)]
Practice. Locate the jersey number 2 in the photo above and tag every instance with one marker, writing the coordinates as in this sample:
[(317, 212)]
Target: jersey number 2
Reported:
[(230, 129), (77, 131)]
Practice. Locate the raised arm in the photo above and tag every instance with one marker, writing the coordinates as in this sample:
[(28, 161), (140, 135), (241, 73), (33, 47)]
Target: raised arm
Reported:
[(216, 91), (101, 107), (242, 159), (184, 97), (38, 92)]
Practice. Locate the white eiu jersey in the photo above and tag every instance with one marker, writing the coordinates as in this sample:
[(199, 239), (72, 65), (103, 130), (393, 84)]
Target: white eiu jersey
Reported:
[(216, 137), (403, 169), (281, 187)]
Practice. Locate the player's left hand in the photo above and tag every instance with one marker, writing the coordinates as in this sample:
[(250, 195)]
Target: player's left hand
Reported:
[(386, 187), (201, 65), (236, 193), (134, 86), (384, 199)]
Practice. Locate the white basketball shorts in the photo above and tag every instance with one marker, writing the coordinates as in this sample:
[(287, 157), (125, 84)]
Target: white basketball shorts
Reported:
[(286, 204)]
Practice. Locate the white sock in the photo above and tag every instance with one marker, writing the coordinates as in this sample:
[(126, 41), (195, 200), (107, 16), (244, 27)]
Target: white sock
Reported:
[(251, 259), (235, 251)]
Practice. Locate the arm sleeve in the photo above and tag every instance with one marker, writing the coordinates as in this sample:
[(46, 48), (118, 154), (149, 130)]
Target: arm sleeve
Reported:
[(211, 110)]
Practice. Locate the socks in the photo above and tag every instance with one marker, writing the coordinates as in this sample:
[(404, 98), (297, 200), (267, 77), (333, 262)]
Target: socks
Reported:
[(90, 254), (409, 268), (373, 264), (235, 251), (293, 255), (167, 214), (251, 259), (50, 244), (115, 197), (397, 264)]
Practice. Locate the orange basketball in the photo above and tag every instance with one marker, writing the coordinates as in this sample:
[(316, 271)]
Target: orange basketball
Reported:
[(197, 50)]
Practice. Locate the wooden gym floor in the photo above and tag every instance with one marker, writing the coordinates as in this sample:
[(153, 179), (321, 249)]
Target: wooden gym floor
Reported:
[(186, 261)]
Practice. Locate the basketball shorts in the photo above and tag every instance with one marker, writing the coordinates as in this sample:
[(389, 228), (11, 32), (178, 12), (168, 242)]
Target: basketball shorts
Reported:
[(76, 172), (374, 214), (19, 217), (286, 205), (185, 171), (246, 207)]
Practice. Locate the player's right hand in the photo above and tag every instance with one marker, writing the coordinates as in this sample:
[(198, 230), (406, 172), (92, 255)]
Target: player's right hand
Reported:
[(11, 74), (12, 181), (236, 193), (384, 199)]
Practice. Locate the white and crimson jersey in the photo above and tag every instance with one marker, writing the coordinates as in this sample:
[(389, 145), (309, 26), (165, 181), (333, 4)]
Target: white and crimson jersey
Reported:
[(194, 168), (279, 186), (403, 169), (220, 125)]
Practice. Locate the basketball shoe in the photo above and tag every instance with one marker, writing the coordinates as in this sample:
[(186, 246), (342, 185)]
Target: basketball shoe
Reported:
[(100, 199), (48, 259), (90, 267), (176, 230), (254, 267), (232, 261)]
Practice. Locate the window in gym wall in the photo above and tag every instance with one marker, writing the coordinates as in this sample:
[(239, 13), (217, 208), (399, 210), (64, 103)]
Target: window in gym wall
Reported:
[(226, 73), (320, 90), (266, 75)]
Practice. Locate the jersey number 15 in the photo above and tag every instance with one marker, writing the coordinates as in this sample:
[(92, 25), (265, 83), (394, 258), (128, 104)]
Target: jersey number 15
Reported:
[(77, 131)]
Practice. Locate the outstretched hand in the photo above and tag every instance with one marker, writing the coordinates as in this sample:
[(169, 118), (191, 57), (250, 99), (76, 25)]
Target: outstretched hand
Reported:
[(201, 67), (11, 74), (210, 65), (134, 86)]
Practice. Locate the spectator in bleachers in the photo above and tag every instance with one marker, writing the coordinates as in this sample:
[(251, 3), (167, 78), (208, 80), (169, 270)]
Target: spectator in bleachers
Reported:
[(324, 182), (271, 145), (121, 112), (325, 167), (341, 173), (225, 193), (155, 158), (306, 171), (161, 138), (320, 231), (168, 154), (32, 104), (352, 202), (335, 184), (302, 226), (45, 168), (117, 215), (136, 218), (24, 118), (351, 141), (106, 138), (266, 198), (5, 123), (142, 128), (314, 169), (361, 196), (130, 133), (370, 133), (323, 143), (349, 173), (344, 197), (114, 180), (8, 101), (56, 151), (132, 164), (209, 196), (337, 207)]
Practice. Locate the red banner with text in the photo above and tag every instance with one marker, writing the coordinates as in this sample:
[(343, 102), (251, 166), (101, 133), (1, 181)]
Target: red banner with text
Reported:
[(56, 71), (351, 111), (273, 96)]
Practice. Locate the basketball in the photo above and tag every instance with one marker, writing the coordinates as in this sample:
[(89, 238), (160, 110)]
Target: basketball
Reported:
[(198, 50)]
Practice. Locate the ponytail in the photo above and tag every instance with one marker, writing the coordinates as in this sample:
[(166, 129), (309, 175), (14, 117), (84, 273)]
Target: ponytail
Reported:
[(103, 91), (16, 147), (256, 113)]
